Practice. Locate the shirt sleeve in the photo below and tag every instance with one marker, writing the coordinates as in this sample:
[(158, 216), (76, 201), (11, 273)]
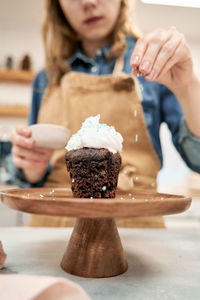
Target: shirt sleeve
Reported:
[(38, 88), (186, 144), (191, 146), (16, 174)]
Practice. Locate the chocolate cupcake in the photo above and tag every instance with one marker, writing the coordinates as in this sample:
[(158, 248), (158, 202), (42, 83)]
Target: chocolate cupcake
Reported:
[(93, 160)]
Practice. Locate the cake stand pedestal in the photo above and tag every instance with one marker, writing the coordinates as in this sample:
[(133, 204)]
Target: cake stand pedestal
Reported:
[(94, 249)]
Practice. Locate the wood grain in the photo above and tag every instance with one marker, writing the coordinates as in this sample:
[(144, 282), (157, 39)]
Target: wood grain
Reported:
[(18, 111), (16, 76), (62, 203), (94, 249)]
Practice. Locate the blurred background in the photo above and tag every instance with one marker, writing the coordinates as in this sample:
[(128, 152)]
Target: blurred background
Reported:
[(21, 56)]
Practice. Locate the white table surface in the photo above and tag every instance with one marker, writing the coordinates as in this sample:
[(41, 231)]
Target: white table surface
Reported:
[(163, 264)]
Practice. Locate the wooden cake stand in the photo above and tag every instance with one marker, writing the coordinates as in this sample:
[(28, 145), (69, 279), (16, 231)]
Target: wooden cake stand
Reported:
[(94, 249)]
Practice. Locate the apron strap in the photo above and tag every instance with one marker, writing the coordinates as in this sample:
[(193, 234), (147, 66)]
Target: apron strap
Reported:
[(118, 70)]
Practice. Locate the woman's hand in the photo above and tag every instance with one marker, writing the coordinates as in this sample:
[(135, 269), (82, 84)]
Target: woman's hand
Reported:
[(32, 160), (164, 56)]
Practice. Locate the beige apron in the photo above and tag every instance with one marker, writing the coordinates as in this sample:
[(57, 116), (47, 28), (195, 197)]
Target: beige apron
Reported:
[(117, 99)]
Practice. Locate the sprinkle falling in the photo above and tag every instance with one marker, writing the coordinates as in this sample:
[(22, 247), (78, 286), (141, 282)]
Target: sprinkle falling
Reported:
[(130, 194), (104, 188), (41, 196), (135, 113), (136, 178), (51, 193), (72, 180), (133, 198), (131, 182), (136, 138)]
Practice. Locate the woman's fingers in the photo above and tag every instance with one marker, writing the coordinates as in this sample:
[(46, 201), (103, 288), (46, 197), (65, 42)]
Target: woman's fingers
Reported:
[(29, 154), (153, 52), (165, 55), (22, 141), (24, 164), (32, 162), (147, 48), (23, 130), (26, 156), (21, 163), (22, 137), (153, 48), (170, 63)]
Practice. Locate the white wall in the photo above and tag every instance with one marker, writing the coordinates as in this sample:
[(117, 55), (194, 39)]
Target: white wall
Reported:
[(20, 23), (20, 34)]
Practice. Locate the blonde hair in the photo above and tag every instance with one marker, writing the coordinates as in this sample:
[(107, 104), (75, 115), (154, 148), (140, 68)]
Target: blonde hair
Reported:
[(60, 40)]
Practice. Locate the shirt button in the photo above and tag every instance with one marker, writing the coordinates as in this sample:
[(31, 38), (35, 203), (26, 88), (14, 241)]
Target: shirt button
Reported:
[(98, 52), (94, 69)]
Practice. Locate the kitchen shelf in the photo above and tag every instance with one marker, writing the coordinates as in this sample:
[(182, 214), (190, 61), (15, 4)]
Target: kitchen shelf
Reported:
[(16, 76), (17, 111)]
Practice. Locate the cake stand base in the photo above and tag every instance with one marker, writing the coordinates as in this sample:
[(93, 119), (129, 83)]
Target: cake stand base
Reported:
[(94, 249)]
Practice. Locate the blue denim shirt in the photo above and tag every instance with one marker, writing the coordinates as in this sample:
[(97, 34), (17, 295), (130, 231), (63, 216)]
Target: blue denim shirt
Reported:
[(159, 105)]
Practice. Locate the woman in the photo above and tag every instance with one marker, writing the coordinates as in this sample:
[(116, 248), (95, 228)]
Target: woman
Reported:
[(85, 39)]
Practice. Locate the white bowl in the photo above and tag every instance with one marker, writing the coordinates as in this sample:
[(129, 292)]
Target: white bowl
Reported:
[(50, 135)]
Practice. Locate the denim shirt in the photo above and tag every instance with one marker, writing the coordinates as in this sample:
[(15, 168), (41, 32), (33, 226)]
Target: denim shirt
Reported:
[(159, 105)]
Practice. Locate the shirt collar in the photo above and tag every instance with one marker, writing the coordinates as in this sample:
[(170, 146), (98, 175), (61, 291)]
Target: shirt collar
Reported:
[(80, 55), (130, 41)]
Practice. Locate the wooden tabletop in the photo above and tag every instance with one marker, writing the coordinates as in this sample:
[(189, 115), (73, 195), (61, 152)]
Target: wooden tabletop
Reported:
[(163, 264)]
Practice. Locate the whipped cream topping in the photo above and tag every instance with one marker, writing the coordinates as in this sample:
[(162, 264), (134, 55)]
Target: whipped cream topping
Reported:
[(96, 135)]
